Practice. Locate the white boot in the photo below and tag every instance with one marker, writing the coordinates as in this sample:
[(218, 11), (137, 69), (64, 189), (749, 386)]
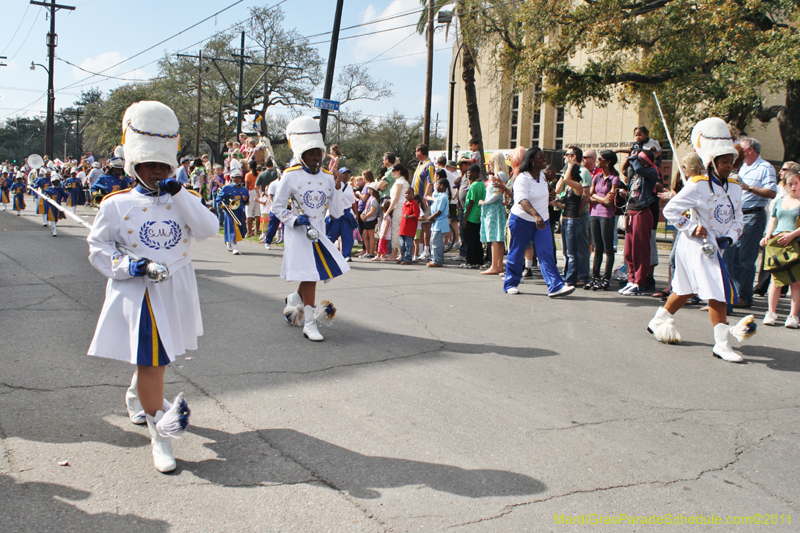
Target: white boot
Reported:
[(662, 326), (236, 249), (310, 330), (722, 348), (53, 229), (44, 220), (294, 299), (135, 411), (229, 246), (163, 458)]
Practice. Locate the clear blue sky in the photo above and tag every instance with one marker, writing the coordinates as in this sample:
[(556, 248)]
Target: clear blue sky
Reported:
[(100, 33)]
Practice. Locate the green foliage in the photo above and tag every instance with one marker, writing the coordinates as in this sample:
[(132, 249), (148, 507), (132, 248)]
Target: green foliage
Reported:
[(701, 56)]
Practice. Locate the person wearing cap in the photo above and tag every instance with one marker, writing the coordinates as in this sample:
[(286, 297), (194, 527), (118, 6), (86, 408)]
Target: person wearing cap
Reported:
[(231, 200), (144, 322), (73, 188), (182, 176), (56, 193), (304, 193), (18, 189), (463, 187), (114, 181), (342, 227), (714, 203)]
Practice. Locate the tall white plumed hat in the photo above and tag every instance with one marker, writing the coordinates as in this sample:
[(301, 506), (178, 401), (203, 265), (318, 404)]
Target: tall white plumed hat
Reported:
[(150, 134), (303, 134), (711, 138)]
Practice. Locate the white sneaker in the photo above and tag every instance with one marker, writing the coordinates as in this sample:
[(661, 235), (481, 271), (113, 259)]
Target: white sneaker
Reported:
[(267, 246), (566, 290), (512, 290), (236, 250), (424, 257), (770, 318), (625, 288), (792, 322)]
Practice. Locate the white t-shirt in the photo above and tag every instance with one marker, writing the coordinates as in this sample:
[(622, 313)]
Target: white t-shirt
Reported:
[(537, 193), (272, 188), (82, 176)]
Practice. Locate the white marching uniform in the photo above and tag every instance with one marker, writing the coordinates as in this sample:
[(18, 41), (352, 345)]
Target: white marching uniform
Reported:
[(156, 228), (720, 213), (303, 259)]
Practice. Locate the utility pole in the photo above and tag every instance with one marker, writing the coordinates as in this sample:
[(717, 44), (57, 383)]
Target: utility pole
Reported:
[(52, 42), (78, 133), (199, 57), (426, 128), (337, 22)]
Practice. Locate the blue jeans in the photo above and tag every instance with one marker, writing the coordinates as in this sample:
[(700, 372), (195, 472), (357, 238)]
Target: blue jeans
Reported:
[(577, 251), (437, 247), (406, 248), (523, 232), (740, 259)]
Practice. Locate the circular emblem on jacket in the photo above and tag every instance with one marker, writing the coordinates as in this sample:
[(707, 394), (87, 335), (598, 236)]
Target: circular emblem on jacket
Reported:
[(315, 199), (723, 214), (160, 234)]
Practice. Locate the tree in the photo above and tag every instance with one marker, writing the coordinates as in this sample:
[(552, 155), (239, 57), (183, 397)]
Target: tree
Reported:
[(701, 56), (469, 45)]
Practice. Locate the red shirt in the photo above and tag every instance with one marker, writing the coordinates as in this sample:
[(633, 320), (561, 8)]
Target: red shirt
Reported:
[(408, 226)]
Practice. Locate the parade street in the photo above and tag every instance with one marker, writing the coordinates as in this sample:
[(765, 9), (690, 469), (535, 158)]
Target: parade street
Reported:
[(436, 403)]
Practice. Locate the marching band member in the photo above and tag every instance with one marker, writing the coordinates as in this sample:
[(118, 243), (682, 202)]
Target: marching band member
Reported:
[(18, 190), (343, 226), (113, 182), (56, 193), (231, 200), (5, 188), (715, 222), (41, 184), (144, 322), (309, 256), (72, 186)]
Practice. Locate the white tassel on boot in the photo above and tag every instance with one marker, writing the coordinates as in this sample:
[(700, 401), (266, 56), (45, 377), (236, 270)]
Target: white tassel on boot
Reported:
[(176, 419), (324, 313), (722, 348), (135, 411), (745, 328), (163, 458), (293, 312), (662, 326), (310, 330)]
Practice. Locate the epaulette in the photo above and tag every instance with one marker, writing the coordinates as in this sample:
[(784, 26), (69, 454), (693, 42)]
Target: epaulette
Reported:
[(195, 193), (326, 171), (109, 195), (695, 179), (296, 167), (733, 180)]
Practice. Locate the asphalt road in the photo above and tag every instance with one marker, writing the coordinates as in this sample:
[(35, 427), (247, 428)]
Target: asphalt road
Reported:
[(436, 403)]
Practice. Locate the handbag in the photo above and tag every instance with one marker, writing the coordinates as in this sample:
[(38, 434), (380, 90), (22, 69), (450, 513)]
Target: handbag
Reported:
[(778, 258)]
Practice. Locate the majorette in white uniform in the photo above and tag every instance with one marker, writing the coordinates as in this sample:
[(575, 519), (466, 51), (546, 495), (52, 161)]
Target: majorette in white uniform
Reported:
[(715, 205), (304, 192), (143, 322)]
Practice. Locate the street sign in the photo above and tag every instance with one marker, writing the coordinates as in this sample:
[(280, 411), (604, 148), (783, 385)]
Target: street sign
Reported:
[(330, 105)]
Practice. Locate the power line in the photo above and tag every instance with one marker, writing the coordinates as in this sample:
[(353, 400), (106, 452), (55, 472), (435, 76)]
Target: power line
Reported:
[(158, 43), (105, 75), (17, 30), (35, 18)]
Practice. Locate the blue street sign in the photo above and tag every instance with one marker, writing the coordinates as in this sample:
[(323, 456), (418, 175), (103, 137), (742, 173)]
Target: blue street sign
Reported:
[(330, 105)]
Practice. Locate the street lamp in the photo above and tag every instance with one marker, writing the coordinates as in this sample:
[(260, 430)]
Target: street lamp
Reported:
[(452, 103), (51, 109), (457, 148)]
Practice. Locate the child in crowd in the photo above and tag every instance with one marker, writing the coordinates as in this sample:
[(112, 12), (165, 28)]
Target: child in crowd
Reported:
[(439, 223), (408, 227), (266, 204), (385, 234)]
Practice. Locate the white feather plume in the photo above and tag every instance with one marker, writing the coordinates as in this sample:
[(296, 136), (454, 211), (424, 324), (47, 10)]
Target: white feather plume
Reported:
[(667, 333), (324, 313), (294, 315), (745, 328), (175, 421)]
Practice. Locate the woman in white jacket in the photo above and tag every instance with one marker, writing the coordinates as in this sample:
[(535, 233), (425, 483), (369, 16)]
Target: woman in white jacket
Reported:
[(714, 222), (397, 195)]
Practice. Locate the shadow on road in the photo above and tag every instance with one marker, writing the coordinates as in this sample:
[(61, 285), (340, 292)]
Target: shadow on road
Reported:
[(359, 475), (43, 507)]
